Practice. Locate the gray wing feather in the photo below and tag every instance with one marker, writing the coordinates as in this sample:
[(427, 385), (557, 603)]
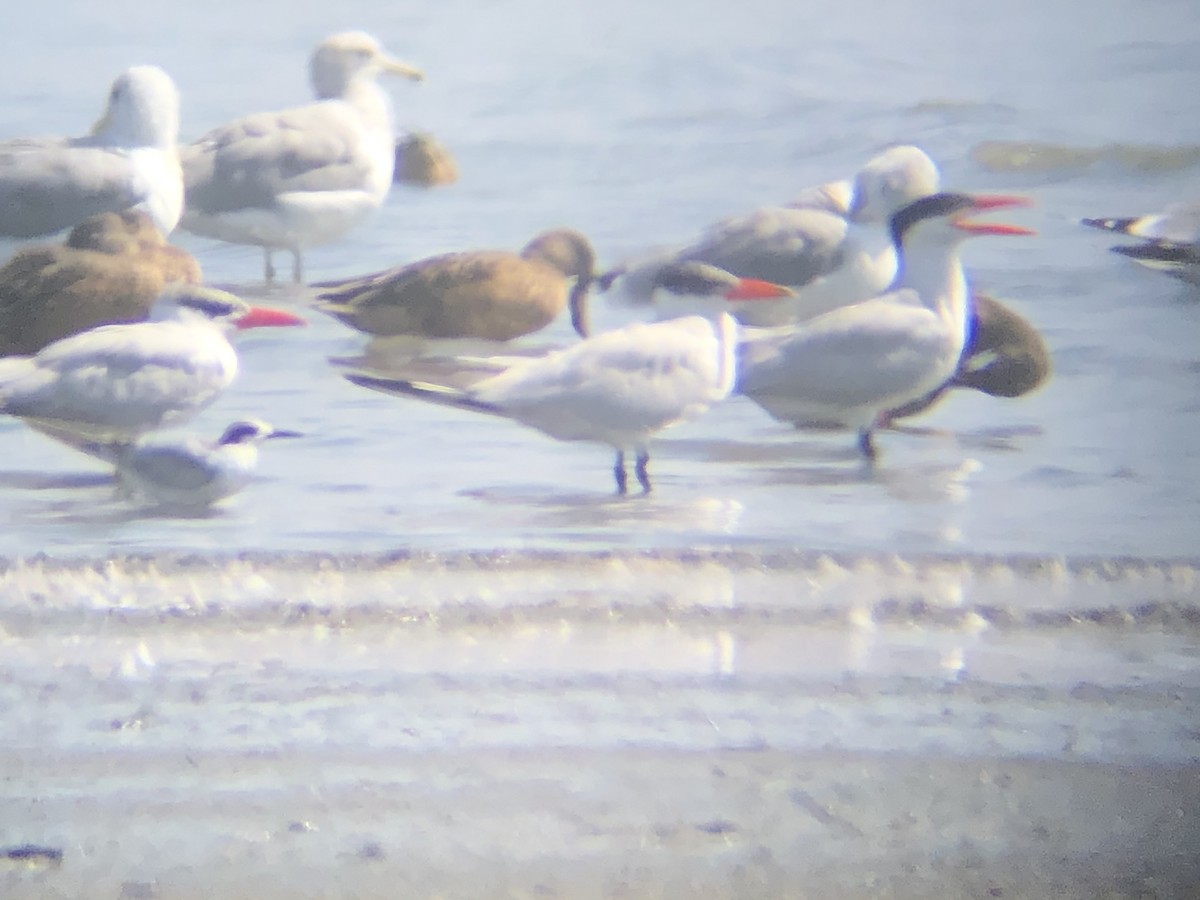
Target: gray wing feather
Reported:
[(824, 362), (46, 186), (172, 467), (249, 162), (787, 246)]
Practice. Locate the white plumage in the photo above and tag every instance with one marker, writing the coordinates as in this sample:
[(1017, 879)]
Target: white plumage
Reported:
[(618, 388), (847, 367), (302, 176), (130, 160), (193, 472), (111, 384), (831, 246)]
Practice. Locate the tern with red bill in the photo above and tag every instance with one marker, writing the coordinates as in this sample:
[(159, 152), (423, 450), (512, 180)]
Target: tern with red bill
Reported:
[(107, 386), (700, 289), (846, 368), (618, 388)]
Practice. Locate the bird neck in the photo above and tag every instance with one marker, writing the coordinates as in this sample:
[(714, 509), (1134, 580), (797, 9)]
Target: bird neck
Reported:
[(372, 102), (238, 457), (933, 270), (146, 128)]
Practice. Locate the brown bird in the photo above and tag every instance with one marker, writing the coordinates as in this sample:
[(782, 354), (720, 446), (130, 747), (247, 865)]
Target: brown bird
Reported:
[(1005, 357), (110, 269), (490, 294), (421, 160)]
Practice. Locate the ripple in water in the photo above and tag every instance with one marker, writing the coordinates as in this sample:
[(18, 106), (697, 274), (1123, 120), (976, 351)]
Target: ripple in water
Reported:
[(1049, 157)]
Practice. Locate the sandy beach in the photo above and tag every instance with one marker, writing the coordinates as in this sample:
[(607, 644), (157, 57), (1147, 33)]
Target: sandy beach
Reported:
[(581, 726), (619, 824)]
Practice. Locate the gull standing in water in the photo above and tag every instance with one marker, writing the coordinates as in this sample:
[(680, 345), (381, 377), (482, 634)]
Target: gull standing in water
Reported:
[(303, 176), (1171, 239), (831, 246), (129, 161), (619, 388), (848, 367), (488, 294), (107, 386), (193, 472), (111, 269)]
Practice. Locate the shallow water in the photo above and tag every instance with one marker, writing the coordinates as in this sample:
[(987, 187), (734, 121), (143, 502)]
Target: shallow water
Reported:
[(1016, 579), (636, 130)]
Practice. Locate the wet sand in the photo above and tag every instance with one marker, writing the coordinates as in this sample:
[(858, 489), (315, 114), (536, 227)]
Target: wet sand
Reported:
[(619, 824), (599, 726)]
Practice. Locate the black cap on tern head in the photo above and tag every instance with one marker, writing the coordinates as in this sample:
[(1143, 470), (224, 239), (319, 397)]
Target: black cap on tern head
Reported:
[(242, 432), (693, 277), (930, 207)]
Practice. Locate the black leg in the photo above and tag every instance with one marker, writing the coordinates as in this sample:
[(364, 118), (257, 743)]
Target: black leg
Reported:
[(619, 473), (866, 444), (643, 476), (268, 266)]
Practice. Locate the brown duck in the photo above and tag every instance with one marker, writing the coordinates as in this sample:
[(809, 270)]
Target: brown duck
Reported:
[(1005, 357), (490, 294), (110, 269), (422, 161)]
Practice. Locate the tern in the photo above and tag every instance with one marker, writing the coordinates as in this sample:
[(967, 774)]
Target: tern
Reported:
[(306, 175), (848, 367), (1171, 239), (194, 472), (130, 160), (831, 245), (618, 388), (109, 385)]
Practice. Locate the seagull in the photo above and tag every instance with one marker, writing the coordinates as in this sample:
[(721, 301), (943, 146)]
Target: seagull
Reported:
[(618, 388), (194, 472), (306, 175), (112, 268), (1005, 356), (130, 160), (831, 245), (108, 386), (851, 365), (1171, 239), (489, 294)]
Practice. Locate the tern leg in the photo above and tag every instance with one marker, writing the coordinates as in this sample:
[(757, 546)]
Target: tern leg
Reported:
[(866, 444), (268, 266), (643, 476), (619, 473), (297, 267)]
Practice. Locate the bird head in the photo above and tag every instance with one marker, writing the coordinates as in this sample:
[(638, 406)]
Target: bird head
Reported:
[(196, 302), (945, 218), (253, 431), (341, 58), (890, 181)]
